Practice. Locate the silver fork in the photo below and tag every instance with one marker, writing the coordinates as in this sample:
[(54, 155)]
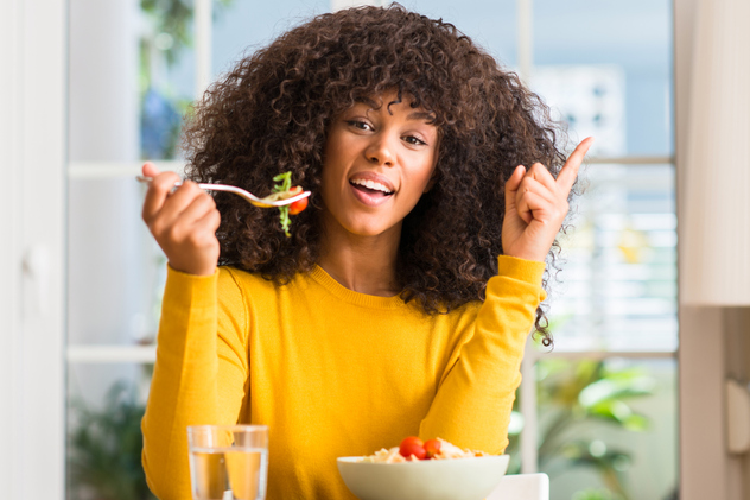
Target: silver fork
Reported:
[(258, 202)]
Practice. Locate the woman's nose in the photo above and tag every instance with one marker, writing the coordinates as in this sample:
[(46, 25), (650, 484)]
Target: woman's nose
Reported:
[(380, 151)]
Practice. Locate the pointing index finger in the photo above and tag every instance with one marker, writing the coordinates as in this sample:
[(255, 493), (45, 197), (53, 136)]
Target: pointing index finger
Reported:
[(569, 171)]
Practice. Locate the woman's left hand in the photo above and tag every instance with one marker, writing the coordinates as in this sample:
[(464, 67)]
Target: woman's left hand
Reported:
[(536, 205)]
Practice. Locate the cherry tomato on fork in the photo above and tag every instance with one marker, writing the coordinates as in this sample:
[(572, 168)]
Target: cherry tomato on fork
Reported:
[(298, 206), (412, 445)]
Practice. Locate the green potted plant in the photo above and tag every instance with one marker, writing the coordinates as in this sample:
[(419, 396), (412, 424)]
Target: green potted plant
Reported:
[(577, 395), (104, 449)]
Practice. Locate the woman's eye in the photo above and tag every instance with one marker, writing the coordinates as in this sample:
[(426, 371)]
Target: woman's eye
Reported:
[(360, 124), (414, 141)]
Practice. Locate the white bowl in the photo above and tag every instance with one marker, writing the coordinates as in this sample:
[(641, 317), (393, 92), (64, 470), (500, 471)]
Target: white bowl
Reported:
[(460, 479)]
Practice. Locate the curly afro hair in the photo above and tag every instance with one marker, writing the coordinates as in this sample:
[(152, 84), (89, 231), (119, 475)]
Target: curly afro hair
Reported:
[(270, 114)]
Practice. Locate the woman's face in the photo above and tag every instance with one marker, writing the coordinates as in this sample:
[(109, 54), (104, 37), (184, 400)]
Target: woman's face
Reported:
[(379, 159)]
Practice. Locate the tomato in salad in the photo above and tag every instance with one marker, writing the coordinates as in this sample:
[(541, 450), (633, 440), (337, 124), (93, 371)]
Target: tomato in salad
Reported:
[(432, 447), (412, 445)]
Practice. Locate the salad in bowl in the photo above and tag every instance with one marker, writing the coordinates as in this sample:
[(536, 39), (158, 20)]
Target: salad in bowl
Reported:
[(431, 470)]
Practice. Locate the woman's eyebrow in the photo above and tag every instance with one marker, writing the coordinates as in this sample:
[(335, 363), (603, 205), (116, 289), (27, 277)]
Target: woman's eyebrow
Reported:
[(421, 115)]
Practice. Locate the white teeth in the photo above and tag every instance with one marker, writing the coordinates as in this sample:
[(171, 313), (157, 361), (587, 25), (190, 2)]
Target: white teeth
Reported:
[(371, 185)]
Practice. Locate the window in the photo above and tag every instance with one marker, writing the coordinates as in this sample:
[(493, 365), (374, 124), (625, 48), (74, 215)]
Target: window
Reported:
[(597, 413), (605, 397)]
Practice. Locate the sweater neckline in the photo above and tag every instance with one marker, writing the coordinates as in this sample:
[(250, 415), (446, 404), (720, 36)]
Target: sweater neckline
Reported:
[(340, 291)]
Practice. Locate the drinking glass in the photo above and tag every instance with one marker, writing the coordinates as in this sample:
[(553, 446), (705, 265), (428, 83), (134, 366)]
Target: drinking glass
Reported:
[(228, 462)]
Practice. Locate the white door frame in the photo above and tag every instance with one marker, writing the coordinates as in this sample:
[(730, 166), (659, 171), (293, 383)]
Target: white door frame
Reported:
[(32, 250)]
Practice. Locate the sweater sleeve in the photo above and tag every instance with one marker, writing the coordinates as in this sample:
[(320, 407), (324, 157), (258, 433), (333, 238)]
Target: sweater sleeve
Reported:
[(472, 406), (200, 342)]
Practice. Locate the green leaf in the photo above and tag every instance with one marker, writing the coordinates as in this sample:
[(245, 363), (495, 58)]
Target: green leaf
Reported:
[(104, 452)]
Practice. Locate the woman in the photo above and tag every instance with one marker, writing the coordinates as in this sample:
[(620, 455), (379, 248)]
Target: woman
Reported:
[(401, 302)]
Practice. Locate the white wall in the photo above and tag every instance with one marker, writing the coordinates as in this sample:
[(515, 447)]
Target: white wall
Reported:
[(32, 132), (707, 334)]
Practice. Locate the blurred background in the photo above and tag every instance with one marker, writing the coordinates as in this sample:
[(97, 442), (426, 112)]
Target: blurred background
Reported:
[(608, 414)]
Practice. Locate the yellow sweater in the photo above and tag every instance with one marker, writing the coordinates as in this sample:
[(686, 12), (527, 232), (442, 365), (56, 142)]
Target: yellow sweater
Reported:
[(332, 372)]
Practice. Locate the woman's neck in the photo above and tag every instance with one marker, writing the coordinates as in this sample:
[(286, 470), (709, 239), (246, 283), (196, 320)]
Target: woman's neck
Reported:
[(365, 264)]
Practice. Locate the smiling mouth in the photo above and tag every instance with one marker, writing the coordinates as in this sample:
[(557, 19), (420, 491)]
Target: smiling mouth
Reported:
[(372, 188)]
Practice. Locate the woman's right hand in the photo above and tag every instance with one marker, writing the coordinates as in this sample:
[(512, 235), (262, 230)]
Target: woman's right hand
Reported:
[(183, 222)]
